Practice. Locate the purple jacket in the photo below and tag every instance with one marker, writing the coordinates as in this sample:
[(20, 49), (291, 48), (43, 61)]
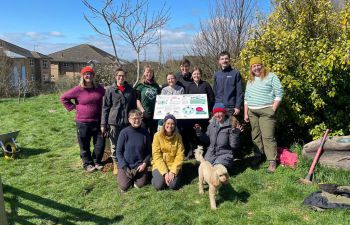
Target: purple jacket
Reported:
[(87, 102)]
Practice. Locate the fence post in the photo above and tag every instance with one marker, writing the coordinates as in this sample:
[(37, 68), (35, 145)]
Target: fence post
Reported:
[(3, 220)]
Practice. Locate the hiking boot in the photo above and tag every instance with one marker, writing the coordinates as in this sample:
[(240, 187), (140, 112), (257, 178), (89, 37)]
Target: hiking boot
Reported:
[(90, 168), (272, 166), (98, 166)]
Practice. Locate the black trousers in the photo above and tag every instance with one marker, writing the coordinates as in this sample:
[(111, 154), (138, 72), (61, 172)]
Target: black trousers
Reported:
[(86, 132)]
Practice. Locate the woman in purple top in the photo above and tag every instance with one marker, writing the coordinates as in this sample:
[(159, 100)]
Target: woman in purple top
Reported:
[(86, 99)]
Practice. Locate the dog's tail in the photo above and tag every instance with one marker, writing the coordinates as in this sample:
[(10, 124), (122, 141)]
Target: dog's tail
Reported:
[(198, 153)]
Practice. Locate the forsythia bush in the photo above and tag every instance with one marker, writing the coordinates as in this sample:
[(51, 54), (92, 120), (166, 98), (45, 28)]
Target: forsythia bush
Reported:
[(306, 43)]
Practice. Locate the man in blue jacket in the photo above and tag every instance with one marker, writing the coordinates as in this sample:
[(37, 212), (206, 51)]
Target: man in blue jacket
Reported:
[(228, 85)]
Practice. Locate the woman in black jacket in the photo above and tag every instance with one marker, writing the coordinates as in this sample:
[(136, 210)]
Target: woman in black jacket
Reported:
[(198, 86)]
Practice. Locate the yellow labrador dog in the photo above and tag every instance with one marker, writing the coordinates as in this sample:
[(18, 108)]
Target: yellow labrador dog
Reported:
[(214, 176)]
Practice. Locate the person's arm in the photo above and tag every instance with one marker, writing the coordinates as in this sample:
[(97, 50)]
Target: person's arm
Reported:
[(157, 156), (211, 97), (214, 85), (67, 98), (120, 151), (179, 158), (239, 94), (246, 117), (278, 92), (106, 107)]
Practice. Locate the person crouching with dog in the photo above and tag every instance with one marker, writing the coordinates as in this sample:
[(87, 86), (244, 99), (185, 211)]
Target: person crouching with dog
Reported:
[(167, 155), (133, 153), (222, 135)]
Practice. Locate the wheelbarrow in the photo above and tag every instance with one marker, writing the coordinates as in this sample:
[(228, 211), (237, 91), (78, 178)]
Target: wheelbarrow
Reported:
[(8, 144)]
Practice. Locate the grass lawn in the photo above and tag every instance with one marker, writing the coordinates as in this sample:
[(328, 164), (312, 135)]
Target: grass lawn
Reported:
[(47, 185)]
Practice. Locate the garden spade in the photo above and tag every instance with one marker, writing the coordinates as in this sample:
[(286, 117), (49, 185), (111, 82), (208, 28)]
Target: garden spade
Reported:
[(308, 177)]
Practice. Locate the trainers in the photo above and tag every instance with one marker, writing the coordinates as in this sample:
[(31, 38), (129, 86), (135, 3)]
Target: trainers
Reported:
[(90, 168), (272, 167), (135, 186), (98, 166)]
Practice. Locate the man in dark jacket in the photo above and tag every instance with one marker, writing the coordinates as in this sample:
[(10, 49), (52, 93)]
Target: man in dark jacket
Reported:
[(228, 85), (119, 99)]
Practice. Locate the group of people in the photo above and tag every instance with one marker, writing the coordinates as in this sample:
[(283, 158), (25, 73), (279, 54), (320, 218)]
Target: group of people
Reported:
[(125, 115)]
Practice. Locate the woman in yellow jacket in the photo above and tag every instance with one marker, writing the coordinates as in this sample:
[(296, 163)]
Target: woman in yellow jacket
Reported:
[(167, 155)]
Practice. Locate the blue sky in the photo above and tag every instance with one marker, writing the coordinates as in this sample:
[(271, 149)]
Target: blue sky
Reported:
[(49, 26)]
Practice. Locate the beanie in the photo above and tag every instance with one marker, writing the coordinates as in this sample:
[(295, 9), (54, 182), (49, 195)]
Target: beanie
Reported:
[(255, 60), (86, 69), (169, 116), (219, 107)]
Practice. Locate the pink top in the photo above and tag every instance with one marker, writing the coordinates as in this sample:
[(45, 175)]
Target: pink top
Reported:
[(87, 102)]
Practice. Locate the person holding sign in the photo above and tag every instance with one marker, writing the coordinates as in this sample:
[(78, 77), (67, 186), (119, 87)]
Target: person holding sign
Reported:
[(198, 86), (167, 155)]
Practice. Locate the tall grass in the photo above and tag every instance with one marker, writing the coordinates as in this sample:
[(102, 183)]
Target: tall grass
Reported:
[(47, 185)]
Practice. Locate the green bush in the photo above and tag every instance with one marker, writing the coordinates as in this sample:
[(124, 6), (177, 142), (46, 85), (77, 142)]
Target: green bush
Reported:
[(306, 43)]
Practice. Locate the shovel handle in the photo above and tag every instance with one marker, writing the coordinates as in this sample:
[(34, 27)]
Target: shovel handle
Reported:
[(317, 156)]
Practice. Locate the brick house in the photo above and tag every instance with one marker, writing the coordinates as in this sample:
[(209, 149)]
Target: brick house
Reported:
[(26, 65), (70, 61)]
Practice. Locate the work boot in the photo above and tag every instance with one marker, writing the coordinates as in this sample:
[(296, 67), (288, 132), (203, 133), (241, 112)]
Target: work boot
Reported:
[(115, 168), (272, 166)]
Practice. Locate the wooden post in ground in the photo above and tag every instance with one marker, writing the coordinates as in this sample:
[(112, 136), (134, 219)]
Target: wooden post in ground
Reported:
[(3, 220)]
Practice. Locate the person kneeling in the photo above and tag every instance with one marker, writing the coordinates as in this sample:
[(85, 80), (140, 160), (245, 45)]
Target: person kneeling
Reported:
[(133, 153), (167, 155)]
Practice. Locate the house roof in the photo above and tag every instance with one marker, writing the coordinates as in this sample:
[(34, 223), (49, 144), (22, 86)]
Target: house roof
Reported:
[(82, 54), (14, 51)]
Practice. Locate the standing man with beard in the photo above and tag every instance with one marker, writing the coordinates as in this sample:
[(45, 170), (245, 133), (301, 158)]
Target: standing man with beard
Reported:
[(227, 85)]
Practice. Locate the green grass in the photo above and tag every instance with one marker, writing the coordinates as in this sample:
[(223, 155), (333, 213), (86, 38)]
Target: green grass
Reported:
[(46, 184)]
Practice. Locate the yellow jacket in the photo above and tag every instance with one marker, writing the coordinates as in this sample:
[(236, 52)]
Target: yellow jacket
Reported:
[(167, 152)]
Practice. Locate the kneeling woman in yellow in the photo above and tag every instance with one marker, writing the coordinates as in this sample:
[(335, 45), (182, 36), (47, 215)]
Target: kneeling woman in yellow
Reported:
[(167, 155)]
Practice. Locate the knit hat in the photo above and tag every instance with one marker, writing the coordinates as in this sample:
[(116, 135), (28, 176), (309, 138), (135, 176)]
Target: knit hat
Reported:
[(86, 69), (219, 107), (255, 60), (169, 116)]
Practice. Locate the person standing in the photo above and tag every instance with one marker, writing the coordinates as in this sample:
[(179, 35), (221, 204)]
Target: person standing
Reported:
[(86, 99), (133, 153), (119, 99), (172, 88), (198, 86), (147, 92), (263, 95), (227, 85), (184, 77)]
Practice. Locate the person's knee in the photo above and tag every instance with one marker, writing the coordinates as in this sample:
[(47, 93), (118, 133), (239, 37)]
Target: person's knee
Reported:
[(124, 187), (158, 184), (174, 185)]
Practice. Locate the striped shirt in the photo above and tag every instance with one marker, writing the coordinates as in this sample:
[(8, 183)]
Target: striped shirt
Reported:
[(261, 93)]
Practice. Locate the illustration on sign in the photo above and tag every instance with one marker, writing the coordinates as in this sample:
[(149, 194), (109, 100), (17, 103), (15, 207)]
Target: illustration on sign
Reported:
[(191, 106)]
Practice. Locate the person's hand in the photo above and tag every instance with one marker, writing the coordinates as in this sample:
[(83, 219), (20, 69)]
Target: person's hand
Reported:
[(240, 127), (246, 118), (236, 111), (141, 167), (166, 178), (104, 131), (171, 177)]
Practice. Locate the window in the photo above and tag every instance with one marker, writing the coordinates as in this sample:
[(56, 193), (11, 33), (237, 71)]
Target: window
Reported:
[(31, 62), (66, 65), (45, 64), (46, 78), (32, 77)]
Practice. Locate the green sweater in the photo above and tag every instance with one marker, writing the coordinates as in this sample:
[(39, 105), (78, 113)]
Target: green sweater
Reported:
[(260, 93)]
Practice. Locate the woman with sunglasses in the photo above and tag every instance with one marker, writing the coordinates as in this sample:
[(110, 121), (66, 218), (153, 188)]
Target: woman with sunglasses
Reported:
[(86, 99)]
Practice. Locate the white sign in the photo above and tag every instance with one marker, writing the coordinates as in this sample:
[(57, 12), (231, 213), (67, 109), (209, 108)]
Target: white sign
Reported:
[(191, 106)]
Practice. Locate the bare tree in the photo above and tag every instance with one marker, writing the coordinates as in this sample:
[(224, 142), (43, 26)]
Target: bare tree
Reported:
[(132, 21), (227, 29), (141, 28), (5, 74), (108, 14)]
